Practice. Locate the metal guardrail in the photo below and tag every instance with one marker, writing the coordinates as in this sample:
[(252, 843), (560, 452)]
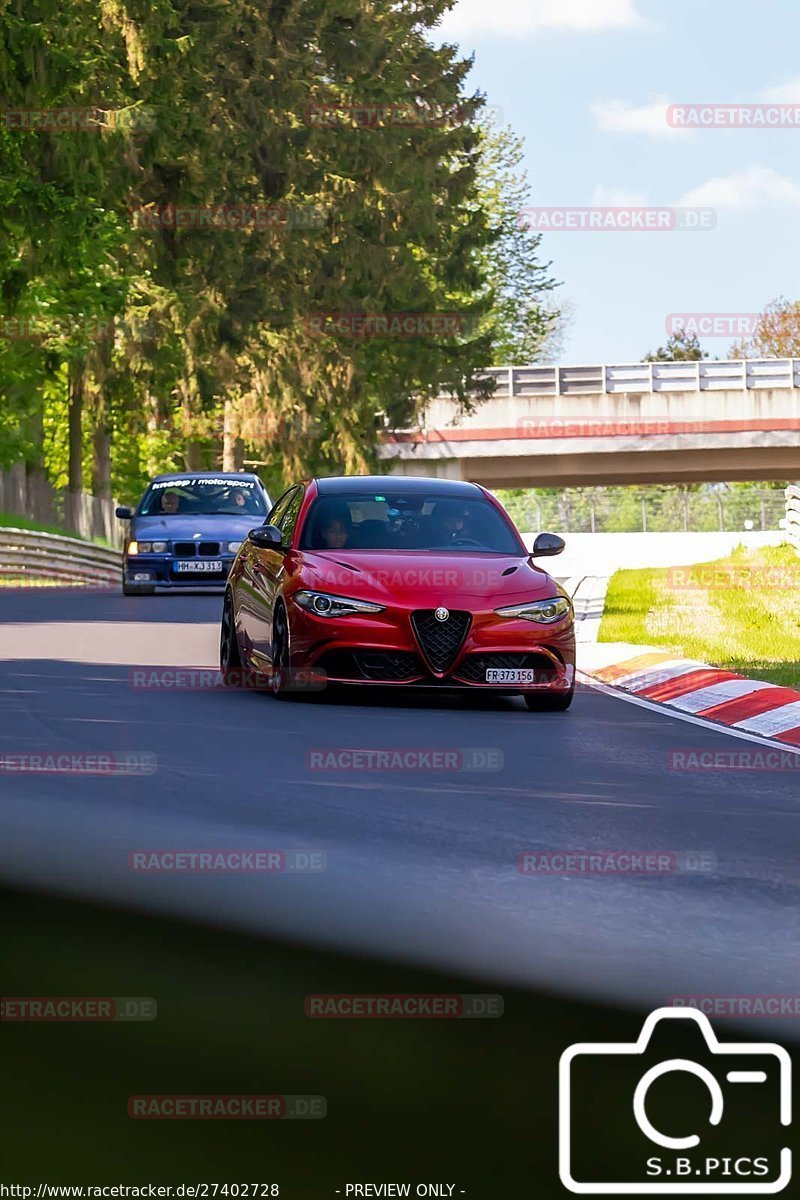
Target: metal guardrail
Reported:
[(793, 515), (38, 559), (746, 373)]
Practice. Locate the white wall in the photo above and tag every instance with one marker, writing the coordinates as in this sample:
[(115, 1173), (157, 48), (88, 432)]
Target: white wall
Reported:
[(604, 553)]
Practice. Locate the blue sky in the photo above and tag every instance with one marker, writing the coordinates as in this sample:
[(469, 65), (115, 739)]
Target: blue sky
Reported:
[(586, 83)]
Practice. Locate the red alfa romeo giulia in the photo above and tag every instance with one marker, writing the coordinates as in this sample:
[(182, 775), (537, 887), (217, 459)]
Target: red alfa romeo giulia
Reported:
[(400, 582)]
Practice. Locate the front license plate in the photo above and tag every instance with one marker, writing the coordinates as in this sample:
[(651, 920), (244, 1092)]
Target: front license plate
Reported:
[(519, 675), (195, 567)]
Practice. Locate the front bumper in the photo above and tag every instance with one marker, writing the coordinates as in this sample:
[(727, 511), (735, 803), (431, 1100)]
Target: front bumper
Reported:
[(383, 650), (161, 571)]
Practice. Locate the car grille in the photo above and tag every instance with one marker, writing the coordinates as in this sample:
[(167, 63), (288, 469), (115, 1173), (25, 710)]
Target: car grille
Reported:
[(377, 666), (440, 641), (192, 549), (474, 667)]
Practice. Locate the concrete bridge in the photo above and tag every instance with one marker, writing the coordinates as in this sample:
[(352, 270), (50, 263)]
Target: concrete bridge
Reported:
[(640, 423)]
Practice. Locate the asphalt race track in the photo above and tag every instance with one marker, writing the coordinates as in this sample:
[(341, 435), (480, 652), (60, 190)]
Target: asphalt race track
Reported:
[(421, 865)]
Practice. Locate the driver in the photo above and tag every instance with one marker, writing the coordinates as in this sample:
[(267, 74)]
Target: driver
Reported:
[(450, 521), (239, 499), (170, 503)]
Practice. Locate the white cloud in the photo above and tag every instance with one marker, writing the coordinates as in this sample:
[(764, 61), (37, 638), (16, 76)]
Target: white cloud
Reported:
[(619, 116), (513, 18), (783, 93), (606, 197), (757, 187)]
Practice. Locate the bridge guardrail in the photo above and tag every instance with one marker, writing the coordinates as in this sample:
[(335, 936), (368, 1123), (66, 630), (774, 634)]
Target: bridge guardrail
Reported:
[(749, 374), (793, 515), (37, 559)]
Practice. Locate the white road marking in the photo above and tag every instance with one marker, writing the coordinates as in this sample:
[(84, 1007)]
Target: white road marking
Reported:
[(676, 715), (719, 693), (777, 720), (671, 668)]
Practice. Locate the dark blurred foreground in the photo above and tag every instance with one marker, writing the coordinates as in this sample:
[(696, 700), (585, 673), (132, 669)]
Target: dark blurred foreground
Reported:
[(468, 1102)]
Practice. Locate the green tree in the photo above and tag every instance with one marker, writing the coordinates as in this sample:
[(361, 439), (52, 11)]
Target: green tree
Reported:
[(777, 333), (524, 319), (215, 355), (680, 347)]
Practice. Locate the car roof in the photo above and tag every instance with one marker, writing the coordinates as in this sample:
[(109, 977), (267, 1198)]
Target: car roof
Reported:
[(397, 485), (226, 475)]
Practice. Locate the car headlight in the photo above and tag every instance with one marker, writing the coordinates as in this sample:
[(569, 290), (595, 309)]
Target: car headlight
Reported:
[(234, 547), (544, 612), (160, 547), (321, 604)]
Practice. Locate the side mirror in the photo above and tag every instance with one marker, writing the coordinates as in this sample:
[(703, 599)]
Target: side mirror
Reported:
[(547, 544), (266, 537), (124, 513)]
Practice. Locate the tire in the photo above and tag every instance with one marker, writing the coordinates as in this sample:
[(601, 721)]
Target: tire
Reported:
[(281, 657), (230, 661), (549, 702)]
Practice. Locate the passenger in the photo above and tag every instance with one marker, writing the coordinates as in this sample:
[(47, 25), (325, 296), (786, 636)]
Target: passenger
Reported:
[(239, 499)]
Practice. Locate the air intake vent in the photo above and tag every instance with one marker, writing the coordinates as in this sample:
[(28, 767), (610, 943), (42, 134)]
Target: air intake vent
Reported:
[(440, 641)]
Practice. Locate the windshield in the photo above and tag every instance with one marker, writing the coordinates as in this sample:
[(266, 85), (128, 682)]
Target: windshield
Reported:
[(203, 497), (408, 521)]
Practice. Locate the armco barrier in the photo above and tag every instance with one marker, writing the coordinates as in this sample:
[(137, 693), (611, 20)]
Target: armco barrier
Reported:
[(37, 559), (749, 374), (793, 515)]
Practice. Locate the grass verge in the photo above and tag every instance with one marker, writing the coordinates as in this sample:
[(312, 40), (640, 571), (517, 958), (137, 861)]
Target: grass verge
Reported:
[(741, 613), (13, 521)]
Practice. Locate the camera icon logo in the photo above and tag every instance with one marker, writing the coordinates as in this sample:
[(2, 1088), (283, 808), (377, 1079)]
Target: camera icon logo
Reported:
[(667, 1100)]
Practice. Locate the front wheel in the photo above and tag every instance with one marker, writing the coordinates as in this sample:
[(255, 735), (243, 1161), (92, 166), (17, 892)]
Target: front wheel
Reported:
[(230, 662), (280, 652), (549, 701)]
